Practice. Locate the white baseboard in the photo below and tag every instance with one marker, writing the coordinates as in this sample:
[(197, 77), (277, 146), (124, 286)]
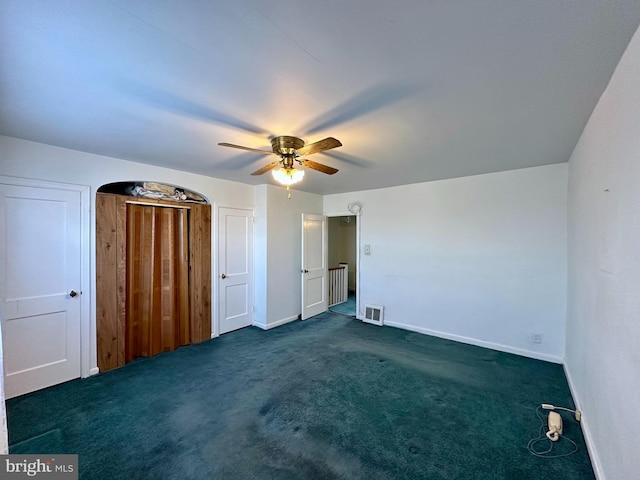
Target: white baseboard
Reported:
[(478, 343), (584, 424), (94, 371), (268, 326)]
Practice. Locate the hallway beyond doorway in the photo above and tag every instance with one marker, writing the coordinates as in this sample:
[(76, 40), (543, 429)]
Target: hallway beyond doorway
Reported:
[(346, 308)]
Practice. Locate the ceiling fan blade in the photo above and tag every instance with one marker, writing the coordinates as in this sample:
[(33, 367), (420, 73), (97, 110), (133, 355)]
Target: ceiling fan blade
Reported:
[(240, 147), (266, 168), (319, 167), (320, 146)]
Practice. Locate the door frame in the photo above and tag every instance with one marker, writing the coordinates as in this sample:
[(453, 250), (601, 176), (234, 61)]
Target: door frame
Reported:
[(359, 315), (215, 271), (87, 306)]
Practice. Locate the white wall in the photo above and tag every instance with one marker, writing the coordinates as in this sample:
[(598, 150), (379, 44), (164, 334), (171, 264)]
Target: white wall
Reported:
[(603, 317), (279, 252), (20, 158), (477, 259), (260, 257)]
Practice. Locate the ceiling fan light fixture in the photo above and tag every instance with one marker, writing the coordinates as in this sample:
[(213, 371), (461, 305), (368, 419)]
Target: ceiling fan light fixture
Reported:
[(287, 176)]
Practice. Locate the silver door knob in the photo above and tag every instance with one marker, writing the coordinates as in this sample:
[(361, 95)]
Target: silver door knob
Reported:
[(73, 293)]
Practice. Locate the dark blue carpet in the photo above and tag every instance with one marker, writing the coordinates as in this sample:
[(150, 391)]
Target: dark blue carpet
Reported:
[(325, 398)]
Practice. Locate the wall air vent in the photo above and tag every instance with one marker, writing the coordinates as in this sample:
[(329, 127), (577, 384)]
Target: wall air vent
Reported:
[(373, 314)]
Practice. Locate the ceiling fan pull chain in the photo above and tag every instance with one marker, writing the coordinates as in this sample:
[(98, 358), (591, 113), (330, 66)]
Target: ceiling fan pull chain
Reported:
[(288, 193)]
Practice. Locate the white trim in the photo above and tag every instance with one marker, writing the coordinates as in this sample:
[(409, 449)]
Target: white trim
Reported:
[(88, 331), (241, 207), (28, 182), (275, 324), (345, 213), (358, 283), (584, 425), (479, 343), (94, 371), (215, 321), (88, 335)]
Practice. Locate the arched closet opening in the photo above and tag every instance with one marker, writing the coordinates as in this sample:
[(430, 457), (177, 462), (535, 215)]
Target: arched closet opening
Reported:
[(153, 270)]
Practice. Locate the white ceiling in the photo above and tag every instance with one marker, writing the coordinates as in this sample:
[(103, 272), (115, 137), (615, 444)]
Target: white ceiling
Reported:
[(415, 90)]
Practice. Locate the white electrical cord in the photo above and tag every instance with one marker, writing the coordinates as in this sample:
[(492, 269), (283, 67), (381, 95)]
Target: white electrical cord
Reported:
[(543, 436), (576, 413)]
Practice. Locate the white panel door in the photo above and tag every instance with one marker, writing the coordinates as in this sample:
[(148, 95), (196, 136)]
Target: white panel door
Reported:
[(40, 275), (314, 265), (235, 268)]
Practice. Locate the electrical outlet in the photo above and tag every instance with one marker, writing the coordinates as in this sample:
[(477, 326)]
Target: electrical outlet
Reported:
[(536, 338)]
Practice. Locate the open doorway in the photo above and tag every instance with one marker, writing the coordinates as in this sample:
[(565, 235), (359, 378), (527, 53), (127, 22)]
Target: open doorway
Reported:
[(343, 264)]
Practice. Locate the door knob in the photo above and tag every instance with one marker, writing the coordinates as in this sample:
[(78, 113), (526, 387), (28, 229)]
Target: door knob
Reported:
[(223, 276), (305, 271), (73, 293)]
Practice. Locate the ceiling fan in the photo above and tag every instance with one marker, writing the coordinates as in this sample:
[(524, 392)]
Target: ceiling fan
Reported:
[(290, 149)]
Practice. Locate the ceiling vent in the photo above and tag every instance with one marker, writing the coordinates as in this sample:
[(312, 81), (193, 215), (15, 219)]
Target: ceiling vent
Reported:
[(373, 314)]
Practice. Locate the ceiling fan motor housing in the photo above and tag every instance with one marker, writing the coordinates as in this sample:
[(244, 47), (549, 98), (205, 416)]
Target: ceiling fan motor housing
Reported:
[(285, 145)]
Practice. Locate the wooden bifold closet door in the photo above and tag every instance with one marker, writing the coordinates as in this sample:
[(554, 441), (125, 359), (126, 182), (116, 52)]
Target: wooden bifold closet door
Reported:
[(157, 280), (153, 277)]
